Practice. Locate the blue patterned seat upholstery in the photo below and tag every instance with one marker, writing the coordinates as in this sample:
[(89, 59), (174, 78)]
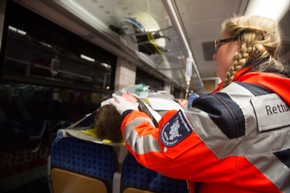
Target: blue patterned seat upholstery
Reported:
[(86, 158), (134, 175)]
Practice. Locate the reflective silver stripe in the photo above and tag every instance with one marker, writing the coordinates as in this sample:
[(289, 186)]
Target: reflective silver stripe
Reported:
[(242, 97), (274, 169), (143, 144), (254, 142)]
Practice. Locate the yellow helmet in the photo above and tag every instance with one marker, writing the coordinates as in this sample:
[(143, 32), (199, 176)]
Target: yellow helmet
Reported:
[(149, 38)]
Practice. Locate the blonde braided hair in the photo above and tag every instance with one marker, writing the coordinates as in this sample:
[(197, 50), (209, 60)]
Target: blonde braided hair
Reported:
[(260, 41)]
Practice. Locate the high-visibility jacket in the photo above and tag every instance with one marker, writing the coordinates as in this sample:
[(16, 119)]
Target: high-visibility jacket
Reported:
[(235, 140)]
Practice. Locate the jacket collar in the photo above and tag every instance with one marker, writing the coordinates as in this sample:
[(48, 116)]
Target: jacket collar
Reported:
[(274, 82)]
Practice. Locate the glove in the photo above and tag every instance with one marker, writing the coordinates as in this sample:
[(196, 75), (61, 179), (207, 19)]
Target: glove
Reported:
[(106, 102), (122, 105)]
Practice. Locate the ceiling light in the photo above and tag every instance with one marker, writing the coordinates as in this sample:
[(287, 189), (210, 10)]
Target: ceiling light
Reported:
[(21, 32), (268, 8), (87, 58)]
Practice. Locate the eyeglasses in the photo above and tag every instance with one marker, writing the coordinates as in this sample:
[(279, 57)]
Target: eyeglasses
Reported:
[(219, 43)]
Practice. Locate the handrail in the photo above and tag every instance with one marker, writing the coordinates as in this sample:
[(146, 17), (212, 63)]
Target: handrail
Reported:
[(173, 16)]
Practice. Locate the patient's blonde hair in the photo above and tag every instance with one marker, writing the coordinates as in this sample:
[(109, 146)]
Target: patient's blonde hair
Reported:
[(260, 40)]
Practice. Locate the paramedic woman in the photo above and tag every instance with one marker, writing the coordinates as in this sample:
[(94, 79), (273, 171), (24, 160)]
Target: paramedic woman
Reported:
[(235, 139)]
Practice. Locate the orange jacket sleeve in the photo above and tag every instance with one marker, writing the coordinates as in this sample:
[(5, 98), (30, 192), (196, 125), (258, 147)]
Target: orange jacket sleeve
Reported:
[(186, 158)]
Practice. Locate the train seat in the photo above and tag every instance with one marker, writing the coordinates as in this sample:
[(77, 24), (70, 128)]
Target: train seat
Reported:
[(138, 179), (81, 166)]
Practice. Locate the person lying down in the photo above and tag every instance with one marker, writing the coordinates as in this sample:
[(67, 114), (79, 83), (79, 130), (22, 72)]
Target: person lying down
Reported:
[(108, 121)]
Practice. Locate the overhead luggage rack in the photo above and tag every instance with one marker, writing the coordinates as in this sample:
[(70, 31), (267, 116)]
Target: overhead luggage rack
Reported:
[(146, 32)]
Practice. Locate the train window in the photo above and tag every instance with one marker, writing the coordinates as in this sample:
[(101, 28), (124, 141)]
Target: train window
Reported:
[(41, 52), (50, 78), (30, 118), (145, 78)]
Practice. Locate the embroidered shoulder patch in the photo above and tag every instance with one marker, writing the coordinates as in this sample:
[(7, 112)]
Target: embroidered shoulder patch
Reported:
[(175, 130)]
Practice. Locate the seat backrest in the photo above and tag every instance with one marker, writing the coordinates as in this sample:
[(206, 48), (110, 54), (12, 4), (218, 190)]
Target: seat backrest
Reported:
[(135, 175), (71, 182), (161, 183), (77, 164), (138, 179)]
